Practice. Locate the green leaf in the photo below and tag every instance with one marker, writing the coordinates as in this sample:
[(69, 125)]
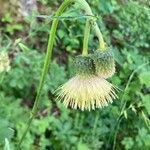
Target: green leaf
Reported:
[(5, 130), (82, 146), (128, 142), (146, 102), (145, 78), (23, 47)]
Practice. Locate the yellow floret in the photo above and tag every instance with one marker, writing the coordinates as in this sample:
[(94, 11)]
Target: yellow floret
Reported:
[(86, 93)]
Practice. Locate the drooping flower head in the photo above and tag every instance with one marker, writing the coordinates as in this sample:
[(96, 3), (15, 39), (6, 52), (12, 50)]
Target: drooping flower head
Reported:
[(86, 90), (104, 63), (4, 62)]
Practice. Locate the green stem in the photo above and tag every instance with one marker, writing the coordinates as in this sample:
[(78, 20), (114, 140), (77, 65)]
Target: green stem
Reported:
[(86, 37), (45, 68), (60, 10), (124, 102), (100, 37), (88, 11)]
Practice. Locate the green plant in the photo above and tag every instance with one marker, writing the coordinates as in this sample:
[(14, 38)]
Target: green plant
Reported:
[(54, 126), (10, 24), (60, 10)]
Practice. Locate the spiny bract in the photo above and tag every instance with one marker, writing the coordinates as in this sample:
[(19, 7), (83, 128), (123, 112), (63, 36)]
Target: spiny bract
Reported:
[(104, 63)]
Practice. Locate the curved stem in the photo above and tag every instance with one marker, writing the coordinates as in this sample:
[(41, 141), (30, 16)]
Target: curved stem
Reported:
[(88, 11), (60, 10), (45, 68), (86, 37), (100, 37)]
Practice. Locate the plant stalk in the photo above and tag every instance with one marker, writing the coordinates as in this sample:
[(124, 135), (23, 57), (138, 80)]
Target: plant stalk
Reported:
[(45, 68), (86, 37), (47, 61), (85, 6)]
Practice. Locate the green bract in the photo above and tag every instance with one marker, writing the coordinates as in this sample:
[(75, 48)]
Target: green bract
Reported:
[(104, 63), (84, 65)]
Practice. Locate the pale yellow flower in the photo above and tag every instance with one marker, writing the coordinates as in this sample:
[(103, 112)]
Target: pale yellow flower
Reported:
[(86, 92), (4, 62)]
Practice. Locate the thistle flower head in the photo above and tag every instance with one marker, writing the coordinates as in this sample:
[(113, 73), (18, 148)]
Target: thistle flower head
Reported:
[(104, 63), (86, 91), (4, 62)]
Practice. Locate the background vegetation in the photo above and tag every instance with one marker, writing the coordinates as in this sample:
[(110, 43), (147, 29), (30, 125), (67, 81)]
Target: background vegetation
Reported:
[(123, 125)]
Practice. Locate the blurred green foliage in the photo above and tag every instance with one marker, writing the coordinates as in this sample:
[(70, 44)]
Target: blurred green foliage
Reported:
[(126, 27)]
